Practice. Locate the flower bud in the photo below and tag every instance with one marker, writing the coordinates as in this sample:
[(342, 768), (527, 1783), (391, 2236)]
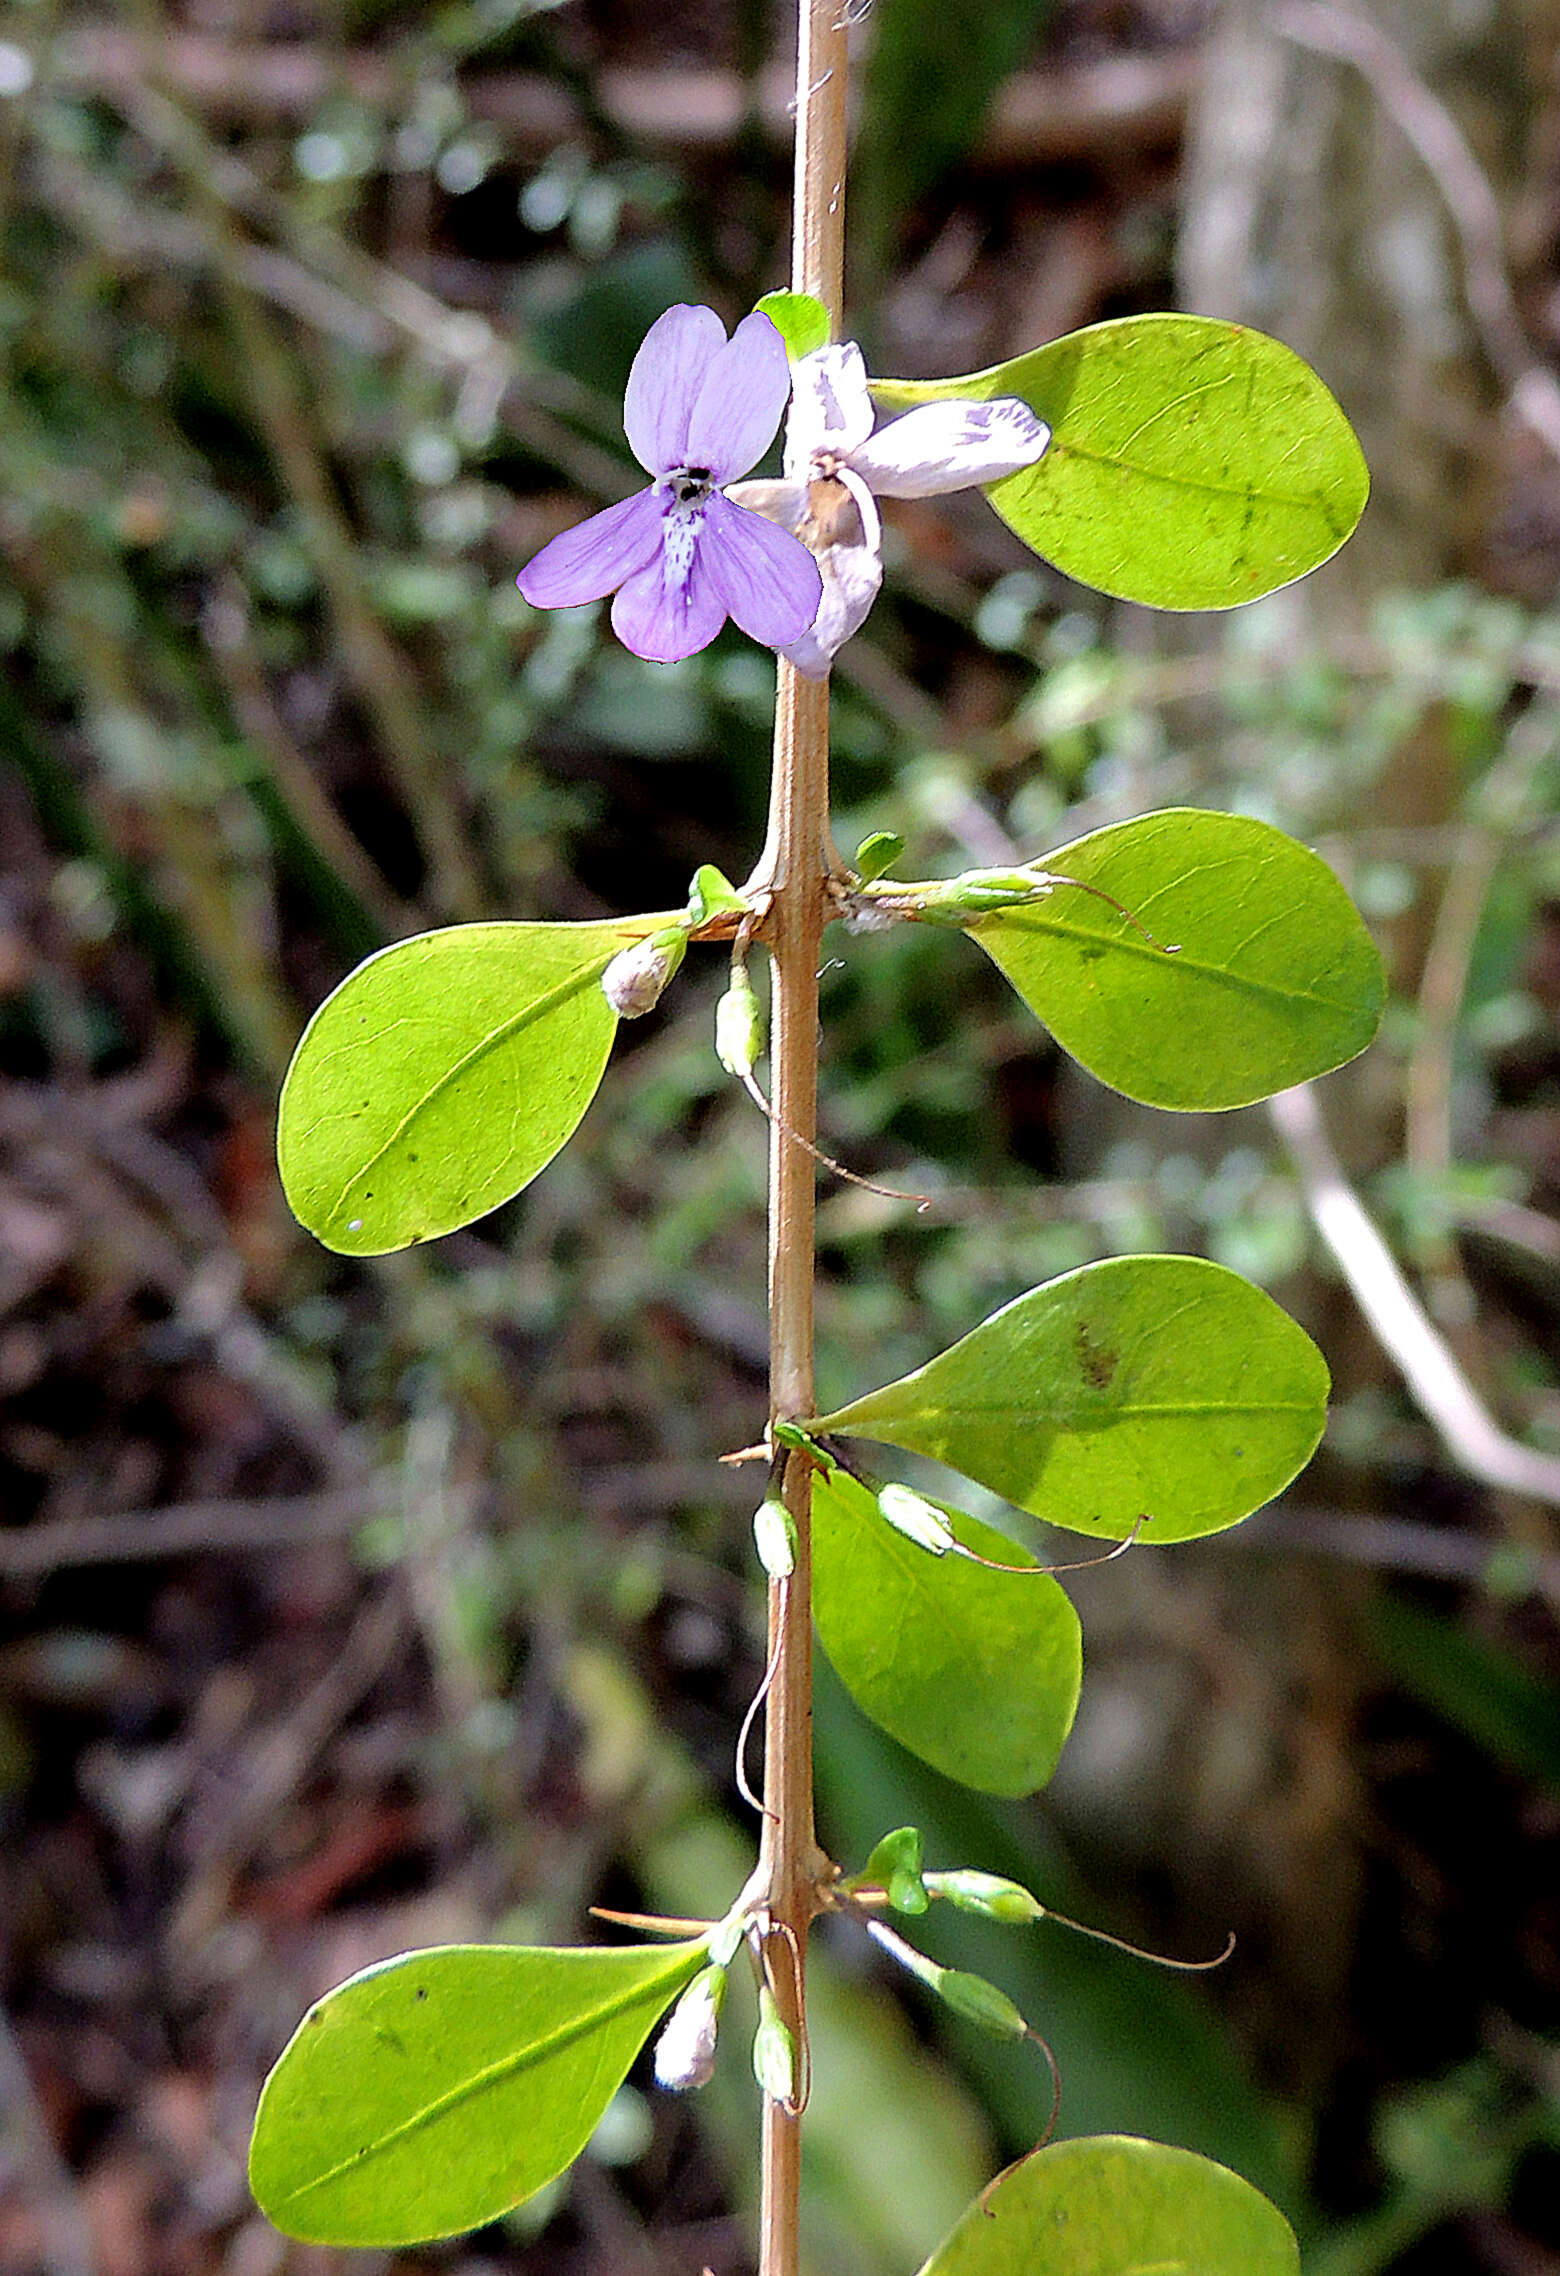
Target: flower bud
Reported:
[(917, 1519), (987, 1894), (739, 1027), (982, 2003), (685, 2051), (774, 2052), (895, 1867), (633, 982), (977, 893), (774, 1536)]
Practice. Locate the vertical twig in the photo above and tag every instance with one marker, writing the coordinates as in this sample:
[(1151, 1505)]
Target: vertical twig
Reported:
[(793, 871)]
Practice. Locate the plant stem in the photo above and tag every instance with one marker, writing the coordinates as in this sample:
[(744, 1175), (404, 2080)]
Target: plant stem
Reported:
[(794, 872)]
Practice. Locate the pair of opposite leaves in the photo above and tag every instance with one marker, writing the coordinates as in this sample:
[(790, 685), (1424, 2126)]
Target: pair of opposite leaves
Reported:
[(435, 2092), (446, 1071), (1157, 1395), (1192, 464)]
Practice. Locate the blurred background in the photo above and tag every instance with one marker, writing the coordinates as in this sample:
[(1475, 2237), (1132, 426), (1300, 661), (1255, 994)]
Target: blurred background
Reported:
[(349, 1607)]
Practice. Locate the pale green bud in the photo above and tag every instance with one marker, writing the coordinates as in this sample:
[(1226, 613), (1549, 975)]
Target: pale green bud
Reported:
[(987, 1894), (739, 1027), (982, 2003), (977, 893), (774, 1536), (917, 1519), (774, 2051)]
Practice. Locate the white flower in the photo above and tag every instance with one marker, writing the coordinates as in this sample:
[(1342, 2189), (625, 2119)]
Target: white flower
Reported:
[(835, 463)]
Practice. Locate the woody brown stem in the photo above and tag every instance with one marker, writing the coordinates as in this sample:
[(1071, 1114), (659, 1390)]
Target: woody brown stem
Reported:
[(794, 872)]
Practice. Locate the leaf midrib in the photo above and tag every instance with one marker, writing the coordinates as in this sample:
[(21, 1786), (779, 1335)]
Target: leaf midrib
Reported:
[(1025, 921), (510, 2066), (1144, 1410), (494, 1040), (1248, 494)]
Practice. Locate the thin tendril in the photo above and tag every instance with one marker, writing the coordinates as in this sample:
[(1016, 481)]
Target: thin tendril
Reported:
[(923, 1201), (794, 2105), (1052, 2066), (1165, 947), (1109, 1556), (757, 1701), (1079, 1565), (997, 2179), (1138, 1952)]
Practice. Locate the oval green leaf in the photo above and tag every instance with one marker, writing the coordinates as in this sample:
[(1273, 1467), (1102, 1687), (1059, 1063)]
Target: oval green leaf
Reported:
[(974, 1671), (437, 2091), (442, 1075), (1113, 2206), (1274, 980), (1159, 1395), (1193, 464)]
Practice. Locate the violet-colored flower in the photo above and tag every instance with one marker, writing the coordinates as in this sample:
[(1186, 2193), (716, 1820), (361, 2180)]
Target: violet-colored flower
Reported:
[(700, 410)]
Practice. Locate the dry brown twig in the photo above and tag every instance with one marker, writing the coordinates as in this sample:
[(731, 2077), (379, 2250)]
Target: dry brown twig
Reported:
[(1114, 100), (1471, 204), (199, 1528), (1398, 1319)]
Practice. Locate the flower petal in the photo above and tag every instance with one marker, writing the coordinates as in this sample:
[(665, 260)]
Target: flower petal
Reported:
[(740, 401), (766, 578), (592, 559), (674, 357), (851, 564), (663, 617), (782, 502), (951, 446), (830, 407), (852, 575)]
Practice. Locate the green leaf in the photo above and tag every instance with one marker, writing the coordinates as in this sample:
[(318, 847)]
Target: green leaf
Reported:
[(974, 1671), (442, 1075), (1113, 2206), (1193, 464), (1274, 980), (801, 321), (439, 2090), (1159, 1395), (877, 854)]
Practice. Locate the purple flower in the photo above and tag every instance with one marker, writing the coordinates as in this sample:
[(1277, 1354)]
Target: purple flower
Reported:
[(681, 557)]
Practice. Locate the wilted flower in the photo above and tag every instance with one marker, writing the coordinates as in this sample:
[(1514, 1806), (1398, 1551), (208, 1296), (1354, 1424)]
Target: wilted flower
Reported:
[(638, 976), (835, 463), (681, 556), (685, 2051)]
